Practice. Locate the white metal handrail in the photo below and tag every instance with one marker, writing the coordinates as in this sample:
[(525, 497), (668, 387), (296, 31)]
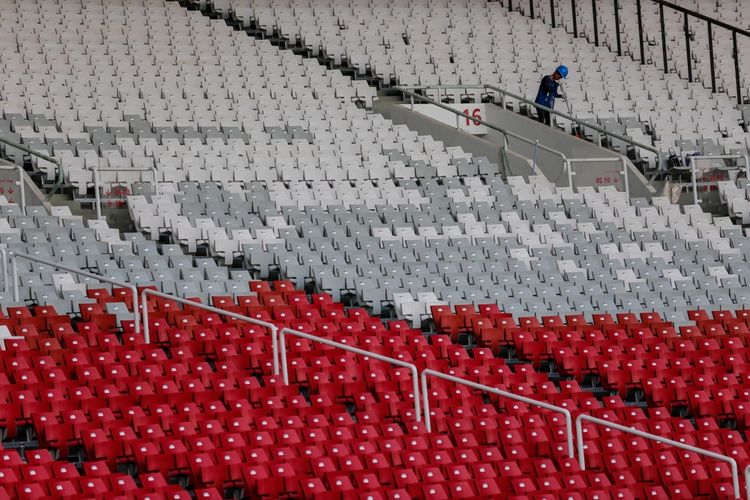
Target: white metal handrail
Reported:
[(355, 350), (97, 183), (21, 183), (505, 93), (147, 332), (14, 273), (567, 163), (506, 133), (694, 159), (747, 482), (653, 437), (499, 392)]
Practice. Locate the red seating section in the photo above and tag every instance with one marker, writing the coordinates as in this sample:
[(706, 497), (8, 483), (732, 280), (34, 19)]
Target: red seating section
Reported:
[(201, 402), (699, 369)]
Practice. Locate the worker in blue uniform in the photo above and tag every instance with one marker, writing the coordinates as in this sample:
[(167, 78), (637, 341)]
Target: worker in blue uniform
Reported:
[(548, 93)]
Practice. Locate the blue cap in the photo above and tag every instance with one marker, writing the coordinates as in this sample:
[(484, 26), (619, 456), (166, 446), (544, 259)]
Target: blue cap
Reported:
[(563, 70)]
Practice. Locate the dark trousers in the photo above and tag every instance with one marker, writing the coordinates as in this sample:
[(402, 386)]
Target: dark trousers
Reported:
[(544, 117)]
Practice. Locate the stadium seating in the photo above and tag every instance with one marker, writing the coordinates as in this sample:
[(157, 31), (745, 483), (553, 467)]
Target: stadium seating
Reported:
[(536, 248), (466, 43), (284, 199), (728, 11), (167, 92), (213, 413)]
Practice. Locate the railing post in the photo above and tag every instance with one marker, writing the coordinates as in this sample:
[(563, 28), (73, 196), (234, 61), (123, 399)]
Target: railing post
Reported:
[(533, 164), (552, 13), (595, 19), (97, 194), (711, 55), (617, 27), (411, 102), (625, 176), (155, 173), (694, 181), (687, 46), (663, 37), (22, 187), (574, 11), (14, 276), (568, 165), (4, 259), (640, 31), (736, 53)]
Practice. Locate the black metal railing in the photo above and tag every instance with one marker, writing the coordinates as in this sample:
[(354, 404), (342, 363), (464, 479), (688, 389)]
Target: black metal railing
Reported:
[(687, 14)]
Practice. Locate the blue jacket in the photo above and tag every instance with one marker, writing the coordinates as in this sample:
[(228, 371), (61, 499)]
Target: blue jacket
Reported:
[(547, 92)]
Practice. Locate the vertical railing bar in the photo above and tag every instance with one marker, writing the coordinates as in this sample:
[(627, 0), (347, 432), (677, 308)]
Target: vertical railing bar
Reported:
[(663, 37), (687, 47), (595, 19), (640, 31), (711, 55), (574, 10), (552, 13), (617, 27), (737, 67)]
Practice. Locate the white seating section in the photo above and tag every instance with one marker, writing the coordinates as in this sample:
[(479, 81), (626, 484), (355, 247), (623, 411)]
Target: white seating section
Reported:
[(473, 41), (93, 246), (531, 247), (168, 89)]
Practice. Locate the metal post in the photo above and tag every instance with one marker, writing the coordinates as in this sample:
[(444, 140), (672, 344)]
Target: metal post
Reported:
[(552, 12), (575, 17), (737, 67), (663, 36), (640, 31), (97, 194), (568, 165), (625, 177), (617, 27), (4, 262), (687, 47), (533, 163), (411, 102), (694, 181), (458, 121), (711, 55), (595, 18), (531, 8)]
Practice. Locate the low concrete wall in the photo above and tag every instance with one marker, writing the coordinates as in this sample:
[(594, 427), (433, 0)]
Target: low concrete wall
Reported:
[(9, 186)]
